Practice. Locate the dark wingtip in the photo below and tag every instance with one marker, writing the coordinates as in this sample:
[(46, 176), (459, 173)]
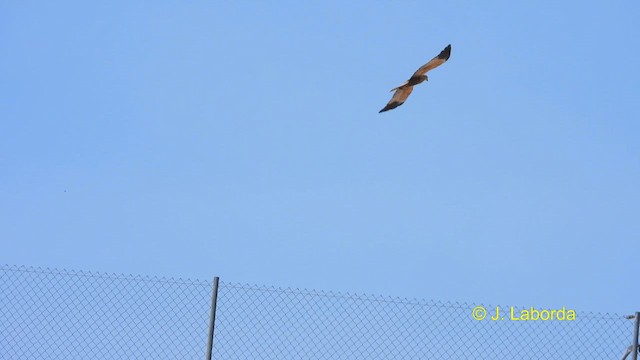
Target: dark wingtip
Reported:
[(444, 54), (386, 108), (390, 106)]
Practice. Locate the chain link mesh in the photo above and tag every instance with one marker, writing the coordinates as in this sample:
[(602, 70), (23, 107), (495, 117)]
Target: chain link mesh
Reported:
[(255, 322), (57, 314)]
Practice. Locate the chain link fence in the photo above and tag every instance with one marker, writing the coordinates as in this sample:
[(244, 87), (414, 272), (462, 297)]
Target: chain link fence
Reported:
[(54, 314), (273, 323), (58, 314)]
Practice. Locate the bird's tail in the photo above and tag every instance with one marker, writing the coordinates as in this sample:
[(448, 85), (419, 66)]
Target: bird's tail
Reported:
[(396, 88)]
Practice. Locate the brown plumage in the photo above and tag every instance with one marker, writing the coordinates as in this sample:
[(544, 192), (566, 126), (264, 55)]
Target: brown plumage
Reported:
[(403, 91)]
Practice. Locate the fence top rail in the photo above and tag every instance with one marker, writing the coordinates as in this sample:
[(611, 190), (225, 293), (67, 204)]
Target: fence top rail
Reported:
[(99, 275), (280, 290), (392, 300)]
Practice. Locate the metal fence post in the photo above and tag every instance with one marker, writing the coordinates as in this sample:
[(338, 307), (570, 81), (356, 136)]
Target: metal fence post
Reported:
[(634, 347), (212, 318)]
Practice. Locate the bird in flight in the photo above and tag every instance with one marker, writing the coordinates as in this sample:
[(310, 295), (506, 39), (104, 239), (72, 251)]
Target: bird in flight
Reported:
[(403, 91)]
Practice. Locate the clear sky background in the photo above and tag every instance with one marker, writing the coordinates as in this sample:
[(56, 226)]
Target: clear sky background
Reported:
[(242, 139)]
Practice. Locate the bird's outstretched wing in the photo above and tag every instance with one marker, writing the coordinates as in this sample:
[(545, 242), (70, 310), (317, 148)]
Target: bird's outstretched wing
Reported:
[(435, 62), (401, 94), (403, 91)]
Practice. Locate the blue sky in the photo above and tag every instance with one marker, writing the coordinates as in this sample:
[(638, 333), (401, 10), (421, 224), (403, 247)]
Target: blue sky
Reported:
[(242, 139)]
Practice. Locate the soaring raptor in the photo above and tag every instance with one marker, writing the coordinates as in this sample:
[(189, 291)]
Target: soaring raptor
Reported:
[(403, 91)]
